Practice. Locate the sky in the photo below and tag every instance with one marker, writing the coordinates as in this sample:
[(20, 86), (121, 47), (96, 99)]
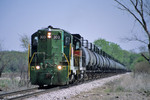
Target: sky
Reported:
[(92, 19)]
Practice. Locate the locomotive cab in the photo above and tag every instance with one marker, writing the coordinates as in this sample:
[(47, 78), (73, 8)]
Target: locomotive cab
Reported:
[(77, 49)]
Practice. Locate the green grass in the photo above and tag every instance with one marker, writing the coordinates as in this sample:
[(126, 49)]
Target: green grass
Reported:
[(119, 89), (108, 90), (4, 83)]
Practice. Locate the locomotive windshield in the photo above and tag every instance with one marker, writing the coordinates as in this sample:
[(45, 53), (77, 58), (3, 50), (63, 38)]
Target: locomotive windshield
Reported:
[(35, 41)]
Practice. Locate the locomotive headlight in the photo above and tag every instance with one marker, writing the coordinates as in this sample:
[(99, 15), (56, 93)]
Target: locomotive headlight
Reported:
[(59, 67), (49, 35), (37, 67)]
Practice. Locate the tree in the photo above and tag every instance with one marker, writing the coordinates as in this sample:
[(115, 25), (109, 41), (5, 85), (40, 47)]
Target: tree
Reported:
[(3, 61), (111, 48), (1, 56), (140, 10), (25, 40)]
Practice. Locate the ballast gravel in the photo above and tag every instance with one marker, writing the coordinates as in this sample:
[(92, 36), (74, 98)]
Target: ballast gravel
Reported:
[(67, 93)]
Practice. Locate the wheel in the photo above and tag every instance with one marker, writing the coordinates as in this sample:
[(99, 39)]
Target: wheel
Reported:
[(41, 86), (71, 78)]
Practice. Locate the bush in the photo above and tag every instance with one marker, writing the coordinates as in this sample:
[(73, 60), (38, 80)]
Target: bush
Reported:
[(142, 67)]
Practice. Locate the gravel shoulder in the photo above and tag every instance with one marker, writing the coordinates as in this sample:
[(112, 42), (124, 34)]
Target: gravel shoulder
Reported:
[(87, 91)]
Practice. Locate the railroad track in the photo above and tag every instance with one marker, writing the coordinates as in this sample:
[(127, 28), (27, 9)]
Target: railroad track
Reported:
[(22, 94)]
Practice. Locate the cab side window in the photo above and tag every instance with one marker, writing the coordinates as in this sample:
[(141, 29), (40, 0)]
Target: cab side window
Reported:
[(77, 45), (67, 41)]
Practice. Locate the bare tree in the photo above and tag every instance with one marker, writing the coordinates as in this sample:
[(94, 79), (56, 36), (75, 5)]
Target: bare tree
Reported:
[(135, 37), (140, 10), (24, 39)]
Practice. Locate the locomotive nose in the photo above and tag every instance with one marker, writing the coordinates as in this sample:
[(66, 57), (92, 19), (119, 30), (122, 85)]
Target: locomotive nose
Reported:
[(48, 75)]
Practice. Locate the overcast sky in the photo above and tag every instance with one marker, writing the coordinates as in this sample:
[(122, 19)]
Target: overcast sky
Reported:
[(92, 19)]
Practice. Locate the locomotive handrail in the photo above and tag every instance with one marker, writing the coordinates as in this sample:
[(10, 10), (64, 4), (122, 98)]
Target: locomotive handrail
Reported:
[(70, 51), (28, 61), (68, 63), (35, 54), (31, 58), (66, 58), (69, 71)]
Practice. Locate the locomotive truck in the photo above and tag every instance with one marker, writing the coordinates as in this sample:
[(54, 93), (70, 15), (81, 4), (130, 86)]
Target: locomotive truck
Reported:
[(58, 57)]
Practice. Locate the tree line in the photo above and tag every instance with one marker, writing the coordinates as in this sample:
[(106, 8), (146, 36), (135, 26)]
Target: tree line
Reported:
[(13, 61)]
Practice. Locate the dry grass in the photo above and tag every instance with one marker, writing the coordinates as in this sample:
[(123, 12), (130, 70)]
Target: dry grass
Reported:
[(137, 83), (8, 84), (13, 82)]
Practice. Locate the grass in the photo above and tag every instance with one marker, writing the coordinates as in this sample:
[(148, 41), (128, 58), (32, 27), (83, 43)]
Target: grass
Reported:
[(4, 83), (8, 84), (119, 89), (131, 83), (13, 81), (107, 90)]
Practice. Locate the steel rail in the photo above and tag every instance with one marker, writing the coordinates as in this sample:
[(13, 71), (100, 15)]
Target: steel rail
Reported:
[(17, 92), (33, 94)]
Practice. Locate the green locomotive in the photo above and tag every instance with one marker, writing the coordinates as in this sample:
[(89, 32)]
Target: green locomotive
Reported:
[(59, 58)]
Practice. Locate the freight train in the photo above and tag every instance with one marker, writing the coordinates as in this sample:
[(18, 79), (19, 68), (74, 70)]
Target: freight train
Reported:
[(58, 57)]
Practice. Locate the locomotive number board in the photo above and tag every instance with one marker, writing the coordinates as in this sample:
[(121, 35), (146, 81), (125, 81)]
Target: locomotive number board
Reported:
[(56, 37), (42, 37)]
